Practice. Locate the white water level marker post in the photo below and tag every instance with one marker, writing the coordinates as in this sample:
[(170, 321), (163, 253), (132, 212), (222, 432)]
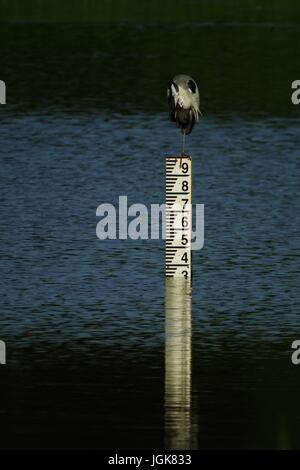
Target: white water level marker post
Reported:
[(178, 216)]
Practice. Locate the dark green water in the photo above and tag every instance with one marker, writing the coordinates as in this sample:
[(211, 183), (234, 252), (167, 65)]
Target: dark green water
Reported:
[(215, 11), (88, 360)]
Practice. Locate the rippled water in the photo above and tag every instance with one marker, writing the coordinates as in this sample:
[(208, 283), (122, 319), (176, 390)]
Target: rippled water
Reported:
[(100, 353)]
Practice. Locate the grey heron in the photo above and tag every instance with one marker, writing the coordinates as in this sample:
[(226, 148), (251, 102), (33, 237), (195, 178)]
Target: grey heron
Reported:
[(184, 103)]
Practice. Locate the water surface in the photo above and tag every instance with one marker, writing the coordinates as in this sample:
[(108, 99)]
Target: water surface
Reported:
[(89, 362)]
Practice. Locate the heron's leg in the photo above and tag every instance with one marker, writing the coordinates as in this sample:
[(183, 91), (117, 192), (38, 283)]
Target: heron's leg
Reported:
[(183, 146)]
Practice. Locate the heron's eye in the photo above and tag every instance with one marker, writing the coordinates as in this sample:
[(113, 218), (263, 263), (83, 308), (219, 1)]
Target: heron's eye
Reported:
[(192, 86)]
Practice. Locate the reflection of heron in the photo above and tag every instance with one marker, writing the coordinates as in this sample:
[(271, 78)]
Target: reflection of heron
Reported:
[(179, 430), (184, 103)]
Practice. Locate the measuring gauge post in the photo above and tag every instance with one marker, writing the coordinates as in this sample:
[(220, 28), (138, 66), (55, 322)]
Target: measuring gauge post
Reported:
[(178, 216)]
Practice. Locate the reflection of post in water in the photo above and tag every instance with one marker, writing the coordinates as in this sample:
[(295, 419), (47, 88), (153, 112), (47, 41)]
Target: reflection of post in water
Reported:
[(179, 432)]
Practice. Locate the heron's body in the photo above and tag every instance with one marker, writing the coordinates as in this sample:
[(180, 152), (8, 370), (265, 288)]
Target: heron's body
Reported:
[(184, 102)]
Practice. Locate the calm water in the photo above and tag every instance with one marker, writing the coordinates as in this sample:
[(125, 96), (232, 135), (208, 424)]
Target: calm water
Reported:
[(100, 352)]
